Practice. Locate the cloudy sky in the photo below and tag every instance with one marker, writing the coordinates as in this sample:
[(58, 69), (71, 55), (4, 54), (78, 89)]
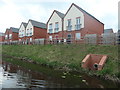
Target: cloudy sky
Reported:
[(13, 12)]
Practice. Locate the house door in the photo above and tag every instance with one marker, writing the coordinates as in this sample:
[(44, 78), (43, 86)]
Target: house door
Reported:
[(69, 38), (27, 41)]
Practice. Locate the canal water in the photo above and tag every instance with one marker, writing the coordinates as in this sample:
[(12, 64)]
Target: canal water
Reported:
[(15, 76)]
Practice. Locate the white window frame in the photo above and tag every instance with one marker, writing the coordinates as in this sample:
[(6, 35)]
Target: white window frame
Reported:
[(78, 36), (50, 38)]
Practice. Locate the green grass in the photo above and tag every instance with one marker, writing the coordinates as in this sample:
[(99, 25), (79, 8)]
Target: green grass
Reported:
[(66, 56)]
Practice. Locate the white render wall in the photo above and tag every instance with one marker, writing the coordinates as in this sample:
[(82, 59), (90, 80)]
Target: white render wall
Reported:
[(29, 26), (55, 18), (22, 30), (72, 14)]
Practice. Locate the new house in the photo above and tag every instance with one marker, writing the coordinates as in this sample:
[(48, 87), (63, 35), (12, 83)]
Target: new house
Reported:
[(55, 26), (22, 33), (11, 35), (78, 23), (35, 31), (73, 26), (2, 37)]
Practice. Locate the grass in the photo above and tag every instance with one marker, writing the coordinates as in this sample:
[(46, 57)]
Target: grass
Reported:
[(66, 56)]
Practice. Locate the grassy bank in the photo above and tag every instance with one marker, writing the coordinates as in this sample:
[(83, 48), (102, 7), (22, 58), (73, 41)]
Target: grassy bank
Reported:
[(66, 56)]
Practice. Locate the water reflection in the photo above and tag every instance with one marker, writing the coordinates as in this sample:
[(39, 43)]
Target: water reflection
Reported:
[(13, 76)]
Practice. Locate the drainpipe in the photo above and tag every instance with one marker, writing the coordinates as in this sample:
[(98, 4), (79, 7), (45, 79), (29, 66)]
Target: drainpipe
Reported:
[(62, 28)]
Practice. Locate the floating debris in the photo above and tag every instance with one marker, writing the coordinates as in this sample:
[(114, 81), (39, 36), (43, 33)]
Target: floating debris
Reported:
[(63, 77), (83, 80), (64, 73)]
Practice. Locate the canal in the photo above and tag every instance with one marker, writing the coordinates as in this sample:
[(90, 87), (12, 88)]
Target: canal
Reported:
[(17, 76)]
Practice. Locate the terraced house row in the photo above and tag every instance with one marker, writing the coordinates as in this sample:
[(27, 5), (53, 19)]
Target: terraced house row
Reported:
[(71, 26)]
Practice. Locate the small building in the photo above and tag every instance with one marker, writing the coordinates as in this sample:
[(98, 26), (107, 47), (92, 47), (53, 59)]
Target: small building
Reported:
[(108, 31), (11, 35), (2, 37), (35, 31), (22, 33), (55, 26)]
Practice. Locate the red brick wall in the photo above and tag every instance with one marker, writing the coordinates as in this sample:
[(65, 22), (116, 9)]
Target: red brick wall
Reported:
[(93, 26), (39, 33), (14, 35), (2, 38)]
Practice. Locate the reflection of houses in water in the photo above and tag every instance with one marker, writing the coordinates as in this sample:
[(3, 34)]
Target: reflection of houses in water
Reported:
[(6, 67), (23, 78), (93, 82)]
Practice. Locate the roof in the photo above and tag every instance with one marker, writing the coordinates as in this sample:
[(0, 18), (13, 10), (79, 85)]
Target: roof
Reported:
[(61, 15), (82, 11), (24, 24), (108, 30), (38, 24), (14, 29), (2, 34)]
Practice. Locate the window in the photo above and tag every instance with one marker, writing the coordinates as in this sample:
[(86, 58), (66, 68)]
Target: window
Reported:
[(56, 27), (78, 36), (31, 33), (69, 27), (69, 36), (69, 22), (10, 36), (78, 25), (50, 37), (6, 36), (19, 39), (50, 28), (30, 39)]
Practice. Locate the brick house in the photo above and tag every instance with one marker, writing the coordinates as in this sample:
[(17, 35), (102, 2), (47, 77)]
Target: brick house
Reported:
[(55, 26), (75, 24), (2, 37), (35, 31), (22, 33), (78, 23), (11, 35)]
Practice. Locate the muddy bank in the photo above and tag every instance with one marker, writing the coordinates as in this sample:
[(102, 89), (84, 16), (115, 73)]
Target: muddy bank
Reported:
[(65, 68)]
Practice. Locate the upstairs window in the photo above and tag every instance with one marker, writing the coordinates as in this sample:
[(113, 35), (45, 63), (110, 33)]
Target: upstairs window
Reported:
[(56, 27), (69, 26), (6, 36), (78, 25), (50, 28), (10, 36)]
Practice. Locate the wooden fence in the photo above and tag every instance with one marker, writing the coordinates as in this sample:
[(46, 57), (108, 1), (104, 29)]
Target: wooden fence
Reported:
[(104, 39)]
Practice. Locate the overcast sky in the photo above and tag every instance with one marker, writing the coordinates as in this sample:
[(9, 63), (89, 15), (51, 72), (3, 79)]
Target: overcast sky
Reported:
[(13, 12)]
